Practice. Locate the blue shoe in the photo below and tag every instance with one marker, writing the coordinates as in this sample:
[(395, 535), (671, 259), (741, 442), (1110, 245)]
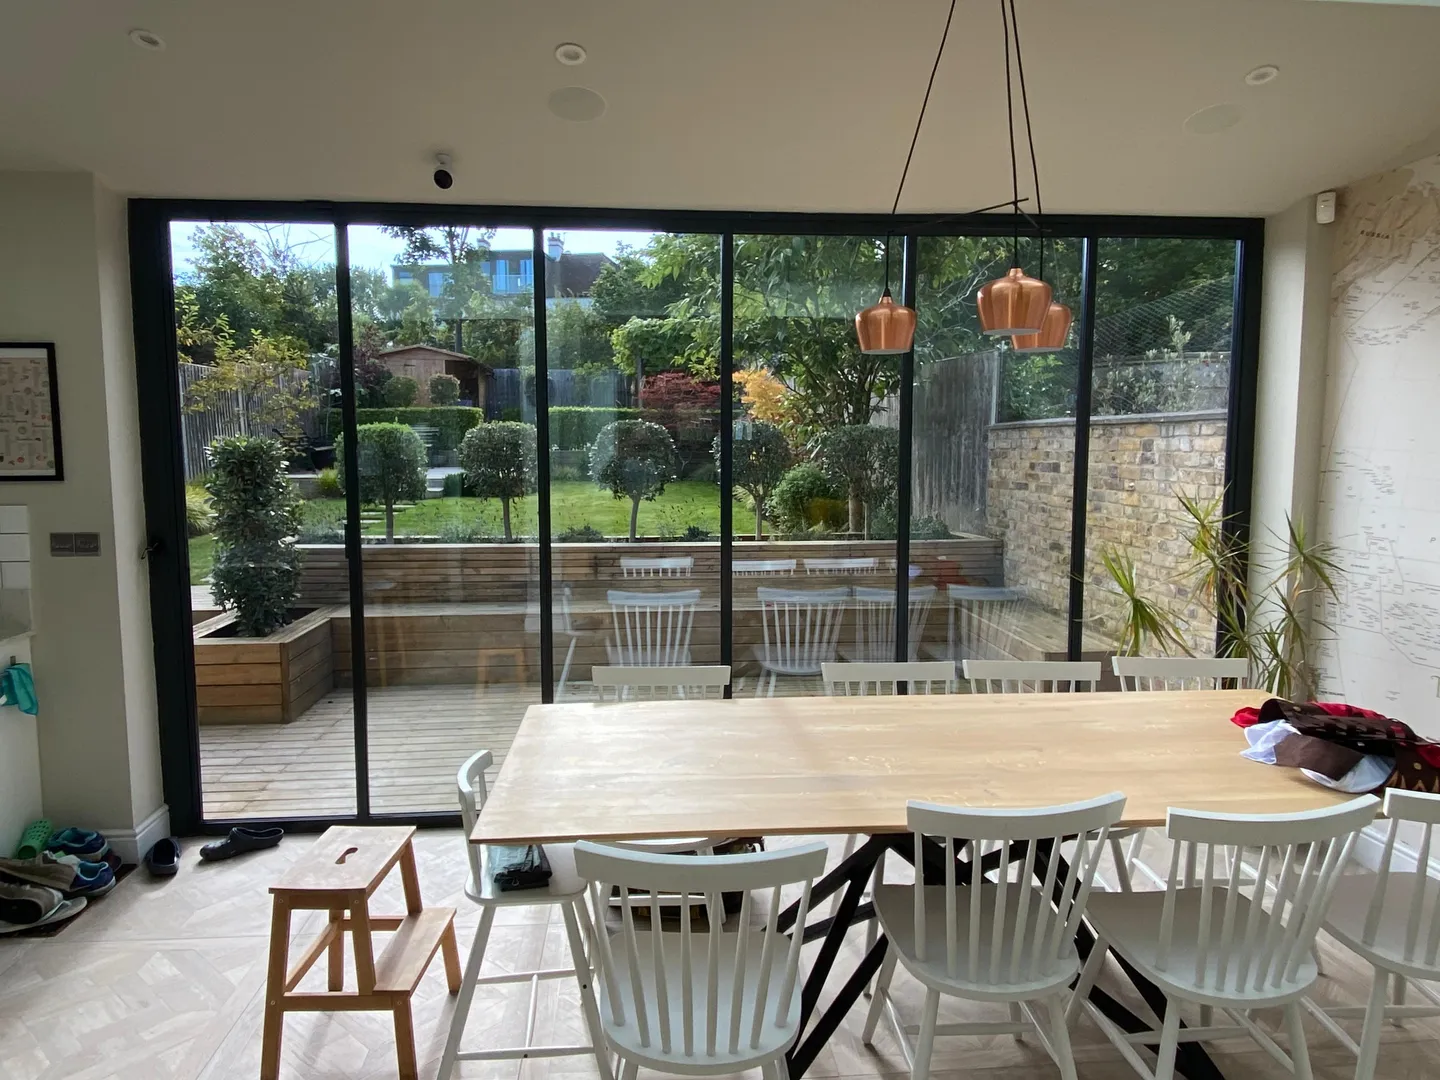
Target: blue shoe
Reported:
[(90, 846), (91, 878)]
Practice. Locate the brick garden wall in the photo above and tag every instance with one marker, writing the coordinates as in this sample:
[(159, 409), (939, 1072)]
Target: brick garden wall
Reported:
[(1137, 463)]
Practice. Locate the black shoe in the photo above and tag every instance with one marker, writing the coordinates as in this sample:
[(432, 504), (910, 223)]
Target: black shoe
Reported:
[(240, 841), (163, 860)]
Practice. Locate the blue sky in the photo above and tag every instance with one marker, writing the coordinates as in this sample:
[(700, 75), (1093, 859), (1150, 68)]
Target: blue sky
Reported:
[(371, 248)]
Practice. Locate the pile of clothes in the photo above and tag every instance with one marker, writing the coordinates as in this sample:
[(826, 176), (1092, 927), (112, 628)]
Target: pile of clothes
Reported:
[(1342, 746), (52, 878)]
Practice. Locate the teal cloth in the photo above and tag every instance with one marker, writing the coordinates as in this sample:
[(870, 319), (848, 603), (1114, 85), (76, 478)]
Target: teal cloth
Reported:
[(17, 686)]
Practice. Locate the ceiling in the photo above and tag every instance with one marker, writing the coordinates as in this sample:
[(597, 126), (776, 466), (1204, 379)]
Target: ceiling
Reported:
[(740, 104)]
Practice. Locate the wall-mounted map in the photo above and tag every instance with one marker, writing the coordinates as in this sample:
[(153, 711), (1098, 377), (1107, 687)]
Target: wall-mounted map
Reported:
[(29, 413)]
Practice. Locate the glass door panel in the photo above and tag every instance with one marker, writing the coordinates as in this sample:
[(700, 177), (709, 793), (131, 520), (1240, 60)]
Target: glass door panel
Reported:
[(256, 339)]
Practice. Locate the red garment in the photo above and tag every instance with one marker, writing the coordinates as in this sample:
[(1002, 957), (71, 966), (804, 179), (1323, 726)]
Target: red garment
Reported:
[(1248, 716)]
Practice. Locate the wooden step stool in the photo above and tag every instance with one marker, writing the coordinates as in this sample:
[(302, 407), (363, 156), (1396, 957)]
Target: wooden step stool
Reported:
[(339, 874)]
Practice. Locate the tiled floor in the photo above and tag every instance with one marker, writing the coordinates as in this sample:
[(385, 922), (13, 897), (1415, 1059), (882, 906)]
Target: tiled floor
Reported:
[(165, 980)]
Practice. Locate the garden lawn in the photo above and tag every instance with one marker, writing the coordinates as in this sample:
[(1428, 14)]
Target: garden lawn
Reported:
[(574, 504)]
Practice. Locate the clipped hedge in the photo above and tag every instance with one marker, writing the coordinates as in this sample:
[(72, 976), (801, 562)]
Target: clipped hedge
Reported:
[(574, 427), (450, 422)]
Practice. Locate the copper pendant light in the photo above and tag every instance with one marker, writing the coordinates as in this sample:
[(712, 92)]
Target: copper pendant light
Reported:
[(1053, 335), (887, 327), (1015, 305)]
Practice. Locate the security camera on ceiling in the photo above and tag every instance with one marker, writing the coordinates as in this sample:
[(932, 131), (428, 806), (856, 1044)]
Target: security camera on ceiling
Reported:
[(443, 179)]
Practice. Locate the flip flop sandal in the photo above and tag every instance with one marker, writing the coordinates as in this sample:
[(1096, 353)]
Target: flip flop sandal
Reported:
[(33, 839), (66, 909)]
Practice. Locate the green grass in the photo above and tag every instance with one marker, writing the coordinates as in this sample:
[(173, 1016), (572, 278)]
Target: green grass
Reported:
[(574, 503)]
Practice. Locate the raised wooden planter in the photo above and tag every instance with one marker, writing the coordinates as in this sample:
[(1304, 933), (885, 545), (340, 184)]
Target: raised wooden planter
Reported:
[(269, 680)]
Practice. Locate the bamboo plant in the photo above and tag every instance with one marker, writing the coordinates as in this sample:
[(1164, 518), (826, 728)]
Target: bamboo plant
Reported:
[(1274, 624)]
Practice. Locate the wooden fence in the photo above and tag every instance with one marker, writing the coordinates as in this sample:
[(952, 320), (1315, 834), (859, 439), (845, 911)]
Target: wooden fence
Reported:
[(223, 416)]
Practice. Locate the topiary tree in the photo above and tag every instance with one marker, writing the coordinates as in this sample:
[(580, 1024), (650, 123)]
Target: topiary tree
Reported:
[(444, 389), (257, 514), (391, 462), (863, 460), (757, 464), (801, 500), (400, 392), (499, 463), (635, 459)]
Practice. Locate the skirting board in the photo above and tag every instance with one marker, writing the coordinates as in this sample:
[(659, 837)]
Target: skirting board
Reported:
[(132, 844), (1370, 846)]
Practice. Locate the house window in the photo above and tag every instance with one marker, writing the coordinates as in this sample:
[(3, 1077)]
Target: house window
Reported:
[(404, 277), (437, 280)]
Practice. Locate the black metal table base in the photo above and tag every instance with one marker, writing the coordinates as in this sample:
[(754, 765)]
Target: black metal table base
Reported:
[(852, 874)]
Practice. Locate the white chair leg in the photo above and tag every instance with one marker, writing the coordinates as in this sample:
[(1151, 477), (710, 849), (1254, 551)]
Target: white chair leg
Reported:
[(1374, 1020), (565, 671), (631, 1068), (467, 993), (877, 1000), (1299, 1051), (1017, 1015), (1398, 995), (1169, 1041), (760, 683), (925, 1041), (1060, 1037), (1088, 976), (585, 979)]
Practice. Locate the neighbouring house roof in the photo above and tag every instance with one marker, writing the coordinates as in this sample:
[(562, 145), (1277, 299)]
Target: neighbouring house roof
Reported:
[(575, 273), (433, 350)]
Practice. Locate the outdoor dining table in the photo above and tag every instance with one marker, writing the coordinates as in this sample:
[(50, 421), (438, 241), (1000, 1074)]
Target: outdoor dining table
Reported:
[(825, 765)]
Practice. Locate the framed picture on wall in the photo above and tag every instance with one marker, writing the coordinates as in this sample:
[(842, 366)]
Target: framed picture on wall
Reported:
[(29, 412)]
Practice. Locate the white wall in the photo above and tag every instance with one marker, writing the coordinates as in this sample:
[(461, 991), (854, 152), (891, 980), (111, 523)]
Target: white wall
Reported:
[(64, 278), (1379, 491)]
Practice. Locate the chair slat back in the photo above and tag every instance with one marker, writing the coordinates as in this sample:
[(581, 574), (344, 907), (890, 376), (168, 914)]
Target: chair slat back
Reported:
[(1422, 910), (1153, 673), (842, 566), (860, 680), (1304, 853), (982, 621), (652, 629), (1005, 940), (724, 979), (875, 620), (632, 566), (801, 627), (470, 781), (638, 683), (1031, 676), (761, 567)]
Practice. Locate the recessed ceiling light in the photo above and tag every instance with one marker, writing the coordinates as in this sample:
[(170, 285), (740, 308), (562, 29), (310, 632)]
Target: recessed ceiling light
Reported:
[(1263, 74), (147, 39), (1214, 119), (570, 54), (578, 103)]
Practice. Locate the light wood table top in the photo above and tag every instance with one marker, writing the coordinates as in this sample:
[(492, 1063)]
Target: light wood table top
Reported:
[(775, 766)]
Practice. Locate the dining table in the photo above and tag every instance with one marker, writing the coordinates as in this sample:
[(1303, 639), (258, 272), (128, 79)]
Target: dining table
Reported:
[(806, 766)]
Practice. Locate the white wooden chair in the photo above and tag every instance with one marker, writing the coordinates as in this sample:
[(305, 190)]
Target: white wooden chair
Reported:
[(981, 621), (1155, 673), (697, 1002), (616, 684), (564, 629), (1204, 941), (566, 891), (761, 567), (1391, 919), (1173, 673), (652, 629), (875, 622), (987, 938), (842, 566), (1031, 676), (801, 629), (670, 566)]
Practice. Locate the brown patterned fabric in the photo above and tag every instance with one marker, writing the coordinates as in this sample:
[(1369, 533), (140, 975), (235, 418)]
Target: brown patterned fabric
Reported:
[(1417, 760), (1317, 755)]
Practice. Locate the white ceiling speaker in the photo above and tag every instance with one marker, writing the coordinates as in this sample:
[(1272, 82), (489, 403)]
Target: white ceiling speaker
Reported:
[(576, 103), (1214, 119)]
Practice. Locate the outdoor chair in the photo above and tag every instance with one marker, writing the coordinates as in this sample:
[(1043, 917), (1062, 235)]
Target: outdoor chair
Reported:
[(652, 629), (981, 621), (875, 623), (801, 629)]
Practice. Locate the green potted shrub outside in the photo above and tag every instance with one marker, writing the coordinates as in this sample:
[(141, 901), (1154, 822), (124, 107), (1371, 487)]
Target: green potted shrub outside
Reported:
[(758, 463), (391, 463), (633, 459), (262, 660), (499, 463)]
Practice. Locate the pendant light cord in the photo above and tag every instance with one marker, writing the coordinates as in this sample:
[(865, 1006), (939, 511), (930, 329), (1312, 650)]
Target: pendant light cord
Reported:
[(1029, 136), (915, 138), (1010, 121)]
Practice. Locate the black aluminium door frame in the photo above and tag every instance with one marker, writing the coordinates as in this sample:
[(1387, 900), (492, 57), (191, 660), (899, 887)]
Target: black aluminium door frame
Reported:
[(160, 406)]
